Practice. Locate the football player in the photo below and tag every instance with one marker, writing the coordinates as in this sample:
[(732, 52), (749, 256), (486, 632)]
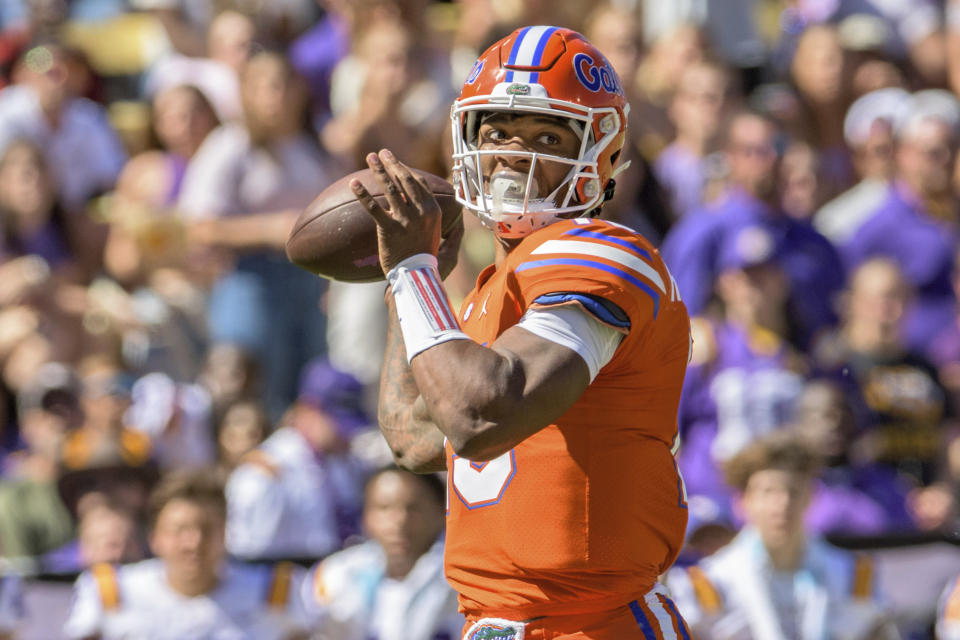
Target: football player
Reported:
[(551, 399)]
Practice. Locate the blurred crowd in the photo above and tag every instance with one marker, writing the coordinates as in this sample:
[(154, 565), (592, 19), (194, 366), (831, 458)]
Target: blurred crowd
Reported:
[(163, 368)]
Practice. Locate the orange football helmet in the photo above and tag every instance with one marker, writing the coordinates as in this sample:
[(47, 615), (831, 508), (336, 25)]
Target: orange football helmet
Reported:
[(547, 71)]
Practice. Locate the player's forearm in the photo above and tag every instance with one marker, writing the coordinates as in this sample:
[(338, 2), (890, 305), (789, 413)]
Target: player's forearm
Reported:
[(414, 439)]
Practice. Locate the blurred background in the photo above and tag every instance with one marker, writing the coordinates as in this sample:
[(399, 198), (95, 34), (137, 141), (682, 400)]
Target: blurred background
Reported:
[(795, 160)]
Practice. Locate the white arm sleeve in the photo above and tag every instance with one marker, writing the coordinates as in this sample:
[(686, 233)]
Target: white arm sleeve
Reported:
[(573, 327)]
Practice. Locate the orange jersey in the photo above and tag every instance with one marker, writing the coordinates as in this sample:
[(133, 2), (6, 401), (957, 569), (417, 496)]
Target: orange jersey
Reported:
[(586, 513)]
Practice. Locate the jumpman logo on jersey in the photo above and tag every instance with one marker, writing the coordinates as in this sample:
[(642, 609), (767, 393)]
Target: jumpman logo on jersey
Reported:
[(483, 307)]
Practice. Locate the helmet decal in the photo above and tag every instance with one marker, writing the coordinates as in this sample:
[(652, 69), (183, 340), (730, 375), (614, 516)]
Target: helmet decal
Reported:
[(475, 72), (594, 76)]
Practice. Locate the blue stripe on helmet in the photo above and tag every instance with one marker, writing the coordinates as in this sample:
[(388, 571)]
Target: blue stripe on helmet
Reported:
[(514, 52), (541, 45)]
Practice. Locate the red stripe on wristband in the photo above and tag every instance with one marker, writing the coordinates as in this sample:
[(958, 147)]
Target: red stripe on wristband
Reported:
[(443, 301), (424, 296)]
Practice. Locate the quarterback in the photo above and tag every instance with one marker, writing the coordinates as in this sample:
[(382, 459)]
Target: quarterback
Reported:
[(551, 397)]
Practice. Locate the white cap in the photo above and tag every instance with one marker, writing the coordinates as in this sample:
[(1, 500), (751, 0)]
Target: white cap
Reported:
[(930, 104), (882, 104)]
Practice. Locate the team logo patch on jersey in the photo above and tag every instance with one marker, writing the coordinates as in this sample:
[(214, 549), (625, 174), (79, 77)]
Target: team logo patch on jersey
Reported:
[(495, 629)]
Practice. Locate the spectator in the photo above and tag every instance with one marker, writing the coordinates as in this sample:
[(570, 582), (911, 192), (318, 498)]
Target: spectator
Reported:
[(700, 106), (744, 374), (397, 104), (852, 496), (242, 192), (41, 107), (108, 531), (229, 375), (774, 580), (33, 520), (868, 130), (39, 274), (33, 221), (189, 589), (802, 184), (916, 224), (821, 77), (657, 78), (753, 149), (906, 403), (177, 418), (124, 490), (871, 68), (145, 234), (104, 437), (243, 428), (391, 586), (298, 494), (230, 39)]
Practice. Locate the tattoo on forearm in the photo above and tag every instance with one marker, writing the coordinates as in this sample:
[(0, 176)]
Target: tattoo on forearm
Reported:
[(413, 437)]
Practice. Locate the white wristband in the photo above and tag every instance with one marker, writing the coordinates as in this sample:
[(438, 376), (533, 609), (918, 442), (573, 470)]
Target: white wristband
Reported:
[(426, 317)]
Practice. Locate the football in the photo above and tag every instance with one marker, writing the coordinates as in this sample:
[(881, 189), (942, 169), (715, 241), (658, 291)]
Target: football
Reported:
[(336, 238)]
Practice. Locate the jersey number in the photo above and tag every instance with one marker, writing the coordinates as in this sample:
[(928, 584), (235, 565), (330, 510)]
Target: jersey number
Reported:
[(481, 484)]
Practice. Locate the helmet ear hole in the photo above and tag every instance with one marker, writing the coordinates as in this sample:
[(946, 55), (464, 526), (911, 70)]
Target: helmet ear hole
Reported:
[(609, 190)]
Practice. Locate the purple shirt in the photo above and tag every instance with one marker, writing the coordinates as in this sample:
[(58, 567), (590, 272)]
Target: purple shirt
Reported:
[(48, 242), (902, 231), (811, 263), (945, 347), (745, 390), (866, 500), (682, 175), (315, 54)]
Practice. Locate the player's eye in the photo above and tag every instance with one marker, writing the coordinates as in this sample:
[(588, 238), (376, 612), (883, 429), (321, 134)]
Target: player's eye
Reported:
[(494, 134), (548, 139)]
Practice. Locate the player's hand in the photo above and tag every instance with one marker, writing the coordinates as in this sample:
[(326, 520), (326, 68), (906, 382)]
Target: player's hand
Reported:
[(411, 223)]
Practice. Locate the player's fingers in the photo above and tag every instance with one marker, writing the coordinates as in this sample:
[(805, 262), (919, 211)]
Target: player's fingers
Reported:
[(422, 181), (390, 188), (370, 204), (413, 189)]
